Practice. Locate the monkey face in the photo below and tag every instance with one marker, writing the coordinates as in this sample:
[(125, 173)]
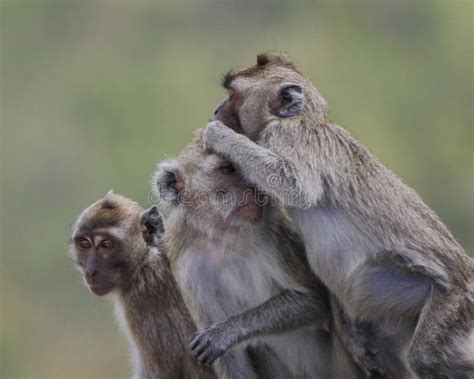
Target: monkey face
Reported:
[(251, 104), (106, 237), (245, 108), (205, 189), (99, 259), (263, 94)]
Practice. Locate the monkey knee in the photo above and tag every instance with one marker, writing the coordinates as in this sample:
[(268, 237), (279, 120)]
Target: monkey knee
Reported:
[(375, 292), (437, 365)]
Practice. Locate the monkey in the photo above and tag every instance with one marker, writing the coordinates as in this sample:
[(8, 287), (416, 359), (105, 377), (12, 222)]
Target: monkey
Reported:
[(232, 255), (370, 238), (117, 255)]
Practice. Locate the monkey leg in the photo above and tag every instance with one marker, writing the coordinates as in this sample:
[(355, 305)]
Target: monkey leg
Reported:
[(357, 342), (443, 344)]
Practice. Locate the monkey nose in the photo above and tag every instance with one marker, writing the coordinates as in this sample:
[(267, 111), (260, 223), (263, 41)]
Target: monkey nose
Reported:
[(90, 275)]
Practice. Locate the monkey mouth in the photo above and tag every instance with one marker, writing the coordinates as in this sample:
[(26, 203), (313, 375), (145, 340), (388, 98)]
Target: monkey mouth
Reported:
[(99, 290)]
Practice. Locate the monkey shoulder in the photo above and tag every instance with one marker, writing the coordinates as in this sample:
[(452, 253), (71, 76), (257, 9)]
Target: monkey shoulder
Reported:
[(324, 150), (287, 135), (153, 274)]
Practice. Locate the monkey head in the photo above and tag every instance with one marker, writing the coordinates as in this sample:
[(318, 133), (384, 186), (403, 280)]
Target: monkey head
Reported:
[(107, 241), (261, 94), (205, 189)]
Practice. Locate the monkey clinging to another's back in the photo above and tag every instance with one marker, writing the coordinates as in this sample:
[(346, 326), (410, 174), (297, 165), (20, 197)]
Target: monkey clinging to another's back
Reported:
[(370, 238), (109, 247)]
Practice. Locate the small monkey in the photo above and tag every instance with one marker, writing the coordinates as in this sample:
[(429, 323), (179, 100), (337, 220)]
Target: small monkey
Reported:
[(117, 255), (370, 238), (234, 256)]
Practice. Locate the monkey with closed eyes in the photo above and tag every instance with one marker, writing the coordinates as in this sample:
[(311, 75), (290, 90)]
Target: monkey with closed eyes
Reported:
[(371, 239), (118, 255), (234, 258)]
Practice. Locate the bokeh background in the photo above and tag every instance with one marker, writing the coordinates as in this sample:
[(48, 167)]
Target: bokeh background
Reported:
[(94, 93)]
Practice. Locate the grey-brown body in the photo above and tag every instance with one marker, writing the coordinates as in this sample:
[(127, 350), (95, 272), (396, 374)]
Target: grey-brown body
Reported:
[(369, 237), (137, 277), (158, 324), (229, 268)]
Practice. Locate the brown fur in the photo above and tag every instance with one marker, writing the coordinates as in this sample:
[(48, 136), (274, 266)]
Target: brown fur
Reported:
[(148, 303)]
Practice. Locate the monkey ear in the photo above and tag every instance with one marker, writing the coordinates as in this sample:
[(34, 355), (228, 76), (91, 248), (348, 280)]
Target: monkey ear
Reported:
[(169, 180), (152, 226), (289, 101)]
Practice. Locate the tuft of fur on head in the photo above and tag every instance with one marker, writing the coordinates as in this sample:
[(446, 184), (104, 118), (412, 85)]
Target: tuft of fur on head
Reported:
[(193, 153), (264, 61), (276, 59), (112, 210)]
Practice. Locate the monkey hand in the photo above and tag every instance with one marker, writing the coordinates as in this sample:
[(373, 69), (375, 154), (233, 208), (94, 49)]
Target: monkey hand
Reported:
[(215, 134), (152, 227), (209, 343)]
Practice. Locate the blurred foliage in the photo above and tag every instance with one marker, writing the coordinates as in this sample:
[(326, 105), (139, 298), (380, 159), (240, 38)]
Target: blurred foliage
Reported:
[(94, 93)]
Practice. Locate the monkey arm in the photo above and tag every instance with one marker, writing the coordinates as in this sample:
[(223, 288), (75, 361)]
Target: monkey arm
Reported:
[(286, 311), (280, 177)]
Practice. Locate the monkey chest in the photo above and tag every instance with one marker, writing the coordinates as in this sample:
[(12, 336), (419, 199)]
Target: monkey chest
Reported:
[(219, 284)]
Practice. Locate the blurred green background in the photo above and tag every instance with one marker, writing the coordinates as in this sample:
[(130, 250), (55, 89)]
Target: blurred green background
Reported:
[(93, 94)]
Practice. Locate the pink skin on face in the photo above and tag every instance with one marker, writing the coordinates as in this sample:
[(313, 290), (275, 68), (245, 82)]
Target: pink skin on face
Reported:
[(250, 208)]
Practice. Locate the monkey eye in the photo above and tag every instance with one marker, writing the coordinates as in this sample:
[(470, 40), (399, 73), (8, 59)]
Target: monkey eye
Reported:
[(106, 244), (84, 243), (227, 168)]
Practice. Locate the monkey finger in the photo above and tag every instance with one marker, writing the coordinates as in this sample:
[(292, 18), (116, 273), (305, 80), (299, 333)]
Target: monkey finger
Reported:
[(194, 341), (196, 351), (199, 340), (204, 356), (211, 134), (210, 360)]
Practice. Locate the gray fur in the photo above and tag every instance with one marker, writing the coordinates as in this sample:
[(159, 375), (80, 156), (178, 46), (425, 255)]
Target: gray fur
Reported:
[(227, 269), (370, 238)]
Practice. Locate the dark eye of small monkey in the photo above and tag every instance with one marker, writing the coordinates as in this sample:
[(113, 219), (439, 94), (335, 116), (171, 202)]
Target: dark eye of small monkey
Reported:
[(227, 168), (107, 244), (84, 244)]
